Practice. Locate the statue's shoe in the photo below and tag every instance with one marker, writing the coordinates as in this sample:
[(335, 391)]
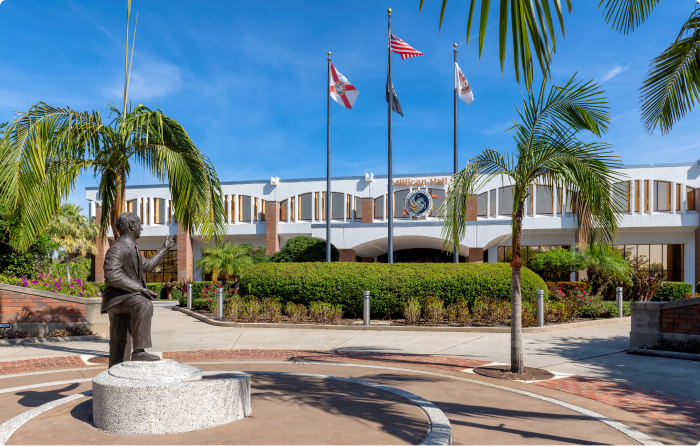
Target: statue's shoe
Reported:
[(143, 356)]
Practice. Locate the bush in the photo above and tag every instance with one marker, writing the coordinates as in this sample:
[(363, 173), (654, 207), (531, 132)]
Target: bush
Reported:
[(70, 331), (304, 249), (177, 295), (6, 334), (434, 310), (272, 308), (296, 312), (678, 346), (252, 310), (325, 313), (673, 291), (567, 287), (411, 311), (390, 285)]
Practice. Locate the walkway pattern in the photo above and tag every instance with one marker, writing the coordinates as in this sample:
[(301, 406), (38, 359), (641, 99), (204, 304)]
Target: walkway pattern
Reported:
[(677, 411)]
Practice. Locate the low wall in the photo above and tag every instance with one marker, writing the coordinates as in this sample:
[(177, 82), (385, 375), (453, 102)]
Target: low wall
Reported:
[(38, 312), (656, 321)]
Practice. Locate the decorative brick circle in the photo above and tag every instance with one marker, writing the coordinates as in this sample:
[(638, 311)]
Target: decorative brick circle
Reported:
[(503, 372)]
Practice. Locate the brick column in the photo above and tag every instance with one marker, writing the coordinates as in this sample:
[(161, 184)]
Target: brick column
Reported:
[(347, 255), (185, 257), (97, 270), (272, 219), (471, 216), (476, 255), (367, 210), (367, 260)]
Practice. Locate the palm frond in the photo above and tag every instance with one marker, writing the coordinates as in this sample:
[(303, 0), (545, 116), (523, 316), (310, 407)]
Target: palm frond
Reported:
[(626, 15), (673, 83)]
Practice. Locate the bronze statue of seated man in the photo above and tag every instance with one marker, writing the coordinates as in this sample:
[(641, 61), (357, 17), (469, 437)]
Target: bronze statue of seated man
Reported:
[(126, 298)]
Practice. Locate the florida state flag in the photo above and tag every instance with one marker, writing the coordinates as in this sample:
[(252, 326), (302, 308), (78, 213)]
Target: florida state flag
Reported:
[(341, 90)]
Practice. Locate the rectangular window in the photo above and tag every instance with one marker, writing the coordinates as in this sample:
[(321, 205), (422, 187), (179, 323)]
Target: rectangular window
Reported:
[(170, 212), (232, 210), (437, 202), (621, 193), (292, 209), (689, 191), (255, 209), (544, 200), (646, 195), (245, 208), (482, 205), (662, 190), (141, 214), (348, 208), (263, 210), (148, 211), (283, 210), (637, 194), (358, 208), (323, 205), (158, 211), (400, 203), (166, 270), (678, 197), (379, 207), (505, 201), (317, 216), (337, 210), (131, 206), (226, 211), (492, 203), (305, 207)]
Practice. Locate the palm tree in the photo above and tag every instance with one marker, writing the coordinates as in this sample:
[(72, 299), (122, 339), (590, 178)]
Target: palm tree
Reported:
[(44, 151), (605, 264), (532, 30), (548, 152), (73, 232), (225, 259), (673, 83)]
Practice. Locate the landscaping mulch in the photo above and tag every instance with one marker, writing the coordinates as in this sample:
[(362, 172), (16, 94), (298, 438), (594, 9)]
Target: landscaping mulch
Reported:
[(503, 372)]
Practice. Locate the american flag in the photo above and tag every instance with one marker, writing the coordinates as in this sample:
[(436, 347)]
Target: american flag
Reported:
[(402, 48)]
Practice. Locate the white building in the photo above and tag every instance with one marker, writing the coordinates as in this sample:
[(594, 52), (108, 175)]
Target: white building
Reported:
[(660, 222)]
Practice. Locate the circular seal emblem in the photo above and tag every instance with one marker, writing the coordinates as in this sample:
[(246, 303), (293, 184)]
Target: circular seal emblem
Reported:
[(339, 88), (418, 203)]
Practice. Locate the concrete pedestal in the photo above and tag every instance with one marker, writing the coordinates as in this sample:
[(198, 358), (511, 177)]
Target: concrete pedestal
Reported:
[(166, 397)]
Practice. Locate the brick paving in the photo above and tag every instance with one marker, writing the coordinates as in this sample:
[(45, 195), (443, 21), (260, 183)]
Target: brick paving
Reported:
[(677, 411), (680, 412)]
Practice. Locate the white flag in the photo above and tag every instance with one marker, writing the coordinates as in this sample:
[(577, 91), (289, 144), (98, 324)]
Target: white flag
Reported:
[(462, 86)]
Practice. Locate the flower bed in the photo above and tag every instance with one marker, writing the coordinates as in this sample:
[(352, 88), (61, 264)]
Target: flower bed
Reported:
[(74, 287), (57, 333)]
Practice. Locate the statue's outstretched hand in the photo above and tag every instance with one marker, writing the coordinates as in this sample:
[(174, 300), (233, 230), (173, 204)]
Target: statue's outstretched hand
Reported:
[(149, 294), (170, 241)]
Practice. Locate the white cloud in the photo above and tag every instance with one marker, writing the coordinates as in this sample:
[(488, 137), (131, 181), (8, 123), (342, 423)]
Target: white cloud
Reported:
[(614, 71), (149, 79)]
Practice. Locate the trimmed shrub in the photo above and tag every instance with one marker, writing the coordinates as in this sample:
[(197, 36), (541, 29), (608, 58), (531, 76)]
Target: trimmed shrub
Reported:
[(325, 313), (434, 310), (390, 285), (411, 311), (272, 308), (303, 248), (296, 312), (673, 291), (177, 295)]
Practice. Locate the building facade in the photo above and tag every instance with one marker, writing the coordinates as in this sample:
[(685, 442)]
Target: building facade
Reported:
[(659, 228)]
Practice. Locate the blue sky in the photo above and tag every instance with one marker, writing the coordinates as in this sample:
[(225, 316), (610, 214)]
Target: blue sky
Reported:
[(247, 80)]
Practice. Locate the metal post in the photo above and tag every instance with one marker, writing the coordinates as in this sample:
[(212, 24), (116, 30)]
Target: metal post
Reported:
[(618, 292), (365, 308), (540, 308), (328, 165), (189, 296), (220, 303), (455, 254), (390, 186)]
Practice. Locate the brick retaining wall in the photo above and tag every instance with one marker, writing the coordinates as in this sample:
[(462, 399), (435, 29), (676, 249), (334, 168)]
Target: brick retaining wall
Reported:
[(684, 320)]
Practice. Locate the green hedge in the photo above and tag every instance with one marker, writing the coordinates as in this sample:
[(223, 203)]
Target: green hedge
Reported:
[(673, 291), (390, 285)]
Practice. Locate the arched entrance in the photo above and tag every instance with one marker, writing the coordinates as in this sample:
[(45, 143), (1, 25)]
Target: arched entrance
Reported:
[(421, 255)]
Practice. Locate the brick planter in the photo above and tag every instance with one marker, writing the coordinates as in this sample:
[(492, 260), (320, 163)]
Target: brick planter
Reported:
[(656, 321), (38, 312)]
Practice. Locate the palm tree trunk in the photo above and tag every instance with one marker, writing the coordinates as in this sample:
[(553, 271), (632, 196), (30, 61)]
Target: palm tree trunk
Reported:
[(215, 274), (119, 205), (516, 300)]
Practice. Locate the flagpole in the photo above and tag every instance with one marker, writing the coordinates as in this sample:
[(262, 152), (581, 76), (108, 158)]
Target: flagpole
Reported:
[(455, 253), (390, 193), (328, 165)]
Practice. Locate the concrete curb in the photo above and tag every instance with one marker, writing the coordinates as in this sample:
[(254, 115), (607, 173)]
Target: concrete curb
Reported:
[(45, 340), (665, 354), (544, 329)]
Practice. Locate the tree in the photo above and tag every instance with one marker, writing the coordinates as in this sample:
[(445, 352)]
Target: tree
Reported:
[(73, 232), (548, 153), (532, 30), (303, 248), (673, 83), (45, 150), (604, 263), (225, 259)]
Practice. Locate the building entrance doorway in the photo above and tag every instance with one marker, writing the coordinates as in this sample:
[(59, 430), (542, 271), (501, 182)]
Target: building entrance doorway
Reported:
[(421, 255)]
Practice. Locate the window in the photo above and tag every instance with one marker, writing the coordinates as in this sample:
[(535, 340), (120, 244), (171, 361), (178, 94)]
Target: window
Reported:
[(263, 209), (690, 193), (662, 190), (158, 211), (283, 210), (226, 208), (358, 207), (170, 212), (166, 270), (544, 200), (665, 259), (646, 195), (147, 220), (678, 197), (317, 216), (482, 205), (505, 201), (637, 194), (141, 214), (131, 206), (437, 202), (337, 205), (380, 207), (621, 193), (348, 207), (292, 209), (492, 203), (305, 207), (400, 203), (245, 211)]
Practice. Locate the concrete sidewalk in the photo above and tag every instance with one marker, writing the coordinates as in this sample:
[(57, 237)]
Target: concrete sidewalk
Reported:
[(597, 351)]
